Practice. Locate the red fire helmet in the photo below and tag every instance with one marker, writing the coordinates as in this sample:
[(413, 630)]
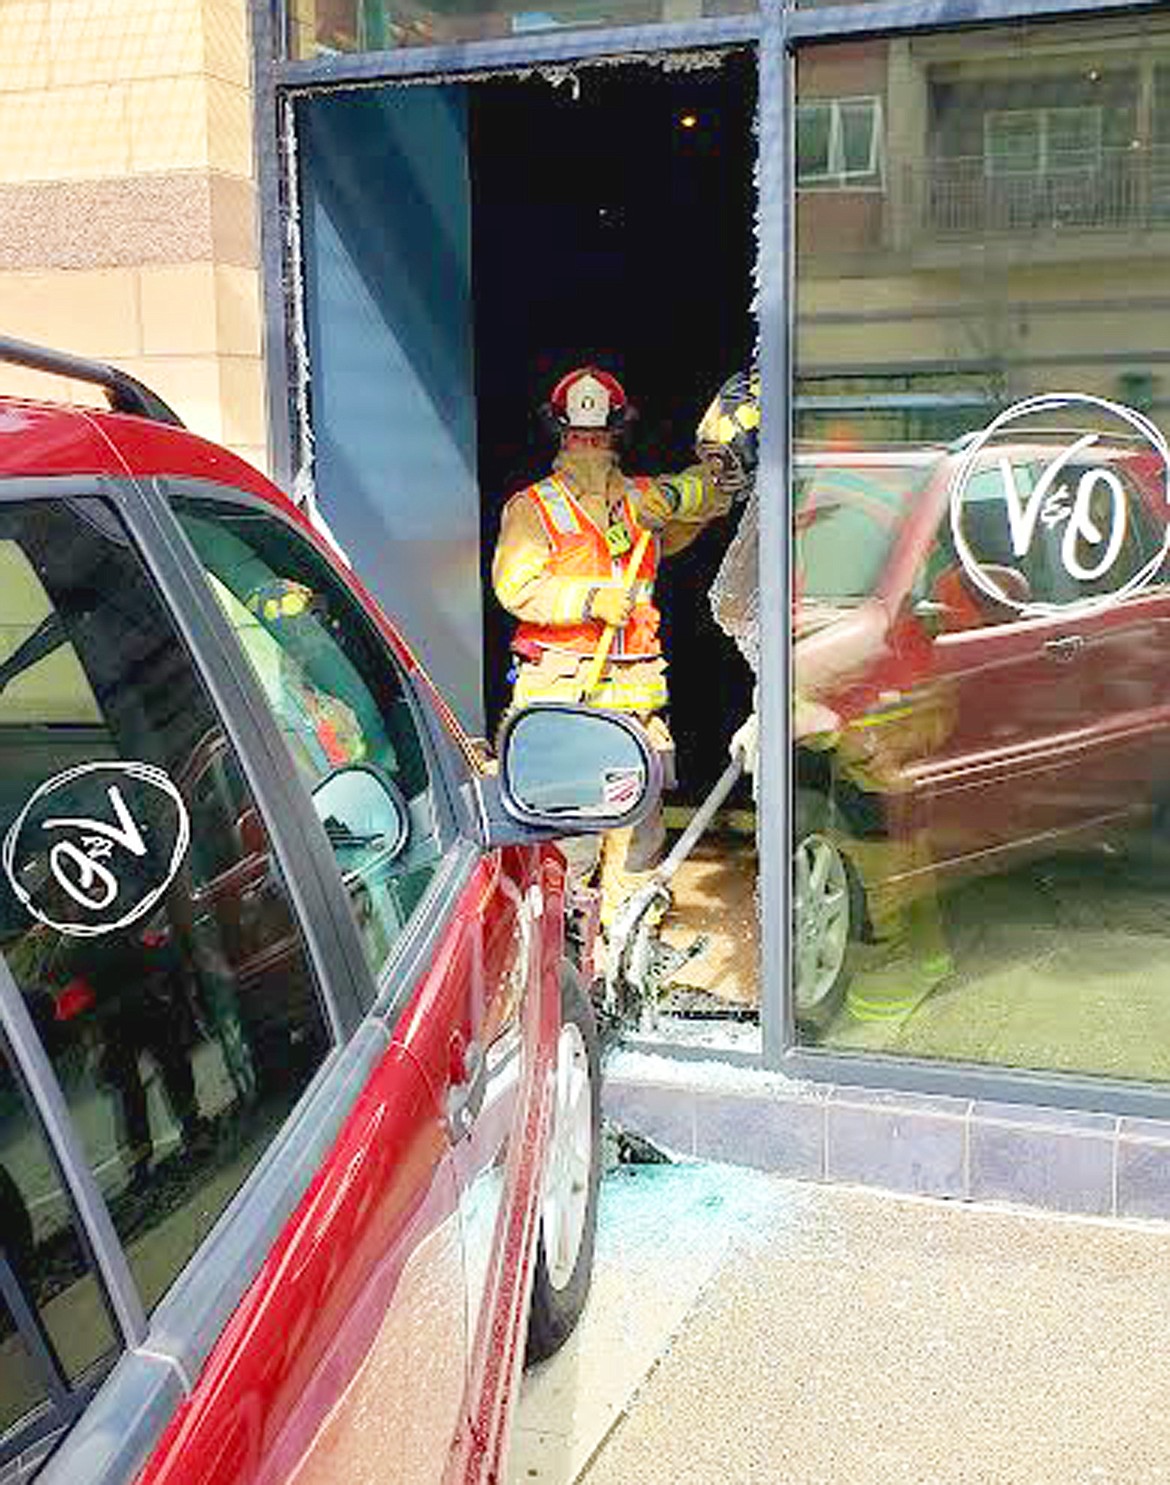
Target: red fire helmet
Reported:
[(589, 400)]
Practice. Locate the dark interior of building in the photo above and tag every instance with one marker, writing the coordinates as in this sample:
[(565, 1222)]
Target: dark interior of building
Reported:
[(612, 222)]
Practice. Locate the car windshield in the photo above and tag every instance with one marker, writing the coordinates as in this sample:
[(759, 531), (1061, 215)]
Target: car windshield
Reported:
[(846, 519)]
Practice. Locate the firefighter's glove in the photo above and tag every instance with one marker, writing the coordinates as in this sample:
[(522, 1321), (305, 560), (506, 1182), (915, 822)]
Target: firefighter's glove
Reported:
[(725, 470), (612, 606), (746, 743), (656, 505)]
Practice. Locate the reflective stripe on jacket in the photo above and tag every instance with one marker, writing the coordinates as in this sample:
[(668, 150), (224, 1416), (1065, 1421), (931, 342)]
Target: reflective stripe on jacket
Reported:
[(579, 555), (637, 686)]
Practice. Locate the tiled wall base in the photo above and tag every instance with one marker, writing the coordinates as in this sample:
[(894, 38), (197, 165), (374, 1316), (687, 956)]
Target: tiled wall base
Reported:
[(1059, 1160)]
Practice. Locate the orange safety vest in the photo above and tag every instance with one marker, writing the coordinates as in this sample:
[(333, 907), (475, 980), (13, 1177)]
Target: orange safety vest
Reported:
[(578, 549)]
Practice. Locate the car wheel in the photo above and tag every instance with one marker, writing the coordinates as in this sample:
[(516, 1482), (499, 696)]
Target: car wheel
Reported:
[(827, 915), (568, 1211)]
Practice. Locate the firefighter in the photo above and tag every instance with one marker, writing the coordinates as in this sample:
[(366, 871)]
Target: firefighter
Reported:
[(870, 751), (727, 444), (564, 546), (321, 729)]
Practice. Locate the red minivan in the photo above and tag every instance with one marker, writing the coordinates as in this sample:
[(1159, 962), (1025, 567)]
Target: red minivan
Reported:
[(947, 728), (299, 1087)]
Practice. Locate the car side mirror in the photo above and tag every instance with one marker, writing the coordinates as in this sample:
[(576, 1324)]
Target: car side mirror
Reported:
[(1010, 581), (957, 603), (572, 769), (364, 815)]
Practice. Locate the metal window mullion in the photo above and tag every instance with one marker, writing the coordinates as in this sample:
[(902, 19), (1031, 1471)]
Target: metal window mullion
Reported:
[(776, 206), (270, 38), (552, 48), (45, 1091), (877, 131), (880, 17)]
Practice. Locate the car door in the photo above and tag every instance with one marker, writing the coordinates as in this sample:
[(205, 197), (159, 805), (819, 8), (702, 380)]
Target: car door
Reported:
[(1003, 774), (1126, 658), (1122, 648), (263, 1165), (1058, 717), (478, 1027)]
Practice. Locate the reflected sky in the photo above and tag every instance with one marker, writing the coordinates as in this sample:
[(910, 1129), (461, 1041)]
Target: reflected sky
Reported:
[(561, 761)]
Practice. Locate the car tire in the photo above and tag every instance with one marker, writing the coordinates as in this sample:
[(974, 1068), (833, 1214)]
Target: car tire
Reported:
[(824, 934), (568, 1213)]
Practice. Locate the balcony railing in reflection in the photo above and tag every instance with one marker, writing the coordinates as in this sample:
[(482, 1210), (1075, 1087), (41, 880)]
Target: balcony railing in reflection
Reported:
[(1120, 189)]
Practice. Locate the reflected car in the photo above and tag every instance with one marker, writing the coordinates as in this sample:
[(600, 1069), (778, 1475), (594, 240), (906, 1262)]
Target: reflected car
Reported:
[(947, 725)]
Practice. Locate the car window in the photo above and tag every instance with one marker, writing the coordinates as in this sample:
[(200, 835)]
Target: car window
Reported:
[(56, 1331), (342, 705), (1040, 573), (142, 913), (987, 532), (846, 521), (24, 1384), (1138, 545)]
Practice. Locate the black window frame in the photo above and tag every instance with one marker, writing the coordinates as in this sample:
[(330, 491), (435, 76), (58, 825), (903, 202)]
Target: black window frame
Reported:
[(65, 1400)]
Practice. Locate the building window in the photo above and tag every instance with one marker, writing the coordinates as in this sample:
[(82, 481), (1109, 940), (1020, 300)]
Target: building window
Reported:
[(1042, 141), (977, 822), (838, 142)]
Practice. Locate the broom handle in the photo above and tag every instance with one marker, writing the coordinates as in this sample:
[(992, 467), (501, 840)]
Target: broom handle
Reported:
[(700, 820), (605, 643)]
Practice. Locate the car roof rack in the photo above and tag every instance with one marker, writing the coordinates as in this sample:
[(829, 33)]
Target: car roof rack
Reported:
[(125, 393)]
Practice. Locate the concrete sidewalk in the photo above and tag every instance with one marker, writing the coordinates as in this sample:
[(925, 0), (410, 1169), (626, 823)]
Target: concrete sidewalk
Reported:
[(837, 1335)]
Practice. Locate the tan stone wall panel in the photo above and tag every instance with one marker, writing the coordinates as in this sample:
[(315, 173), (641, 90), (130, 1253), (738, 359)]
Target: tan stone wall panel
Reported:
[(120, 40), (36, 386), (226, 42), (94, 314), (235, 224), (168, 124), (229, 128), (254, 455), (191, 384), (128, 222), (64, 135), (179, 309), (237, 308), (242, 400), (137, 219), (24, 45)]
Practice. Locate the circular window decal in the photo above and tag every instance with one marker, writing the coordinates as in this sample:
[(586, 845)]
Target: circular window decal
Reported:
[(1062, 503), (95, 847)]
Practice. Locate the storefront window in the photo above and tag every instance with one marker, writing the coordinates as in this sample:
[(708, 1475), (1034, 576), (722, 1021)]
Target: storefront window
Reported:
[(319, 27), (982, 600), (468, 250)]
